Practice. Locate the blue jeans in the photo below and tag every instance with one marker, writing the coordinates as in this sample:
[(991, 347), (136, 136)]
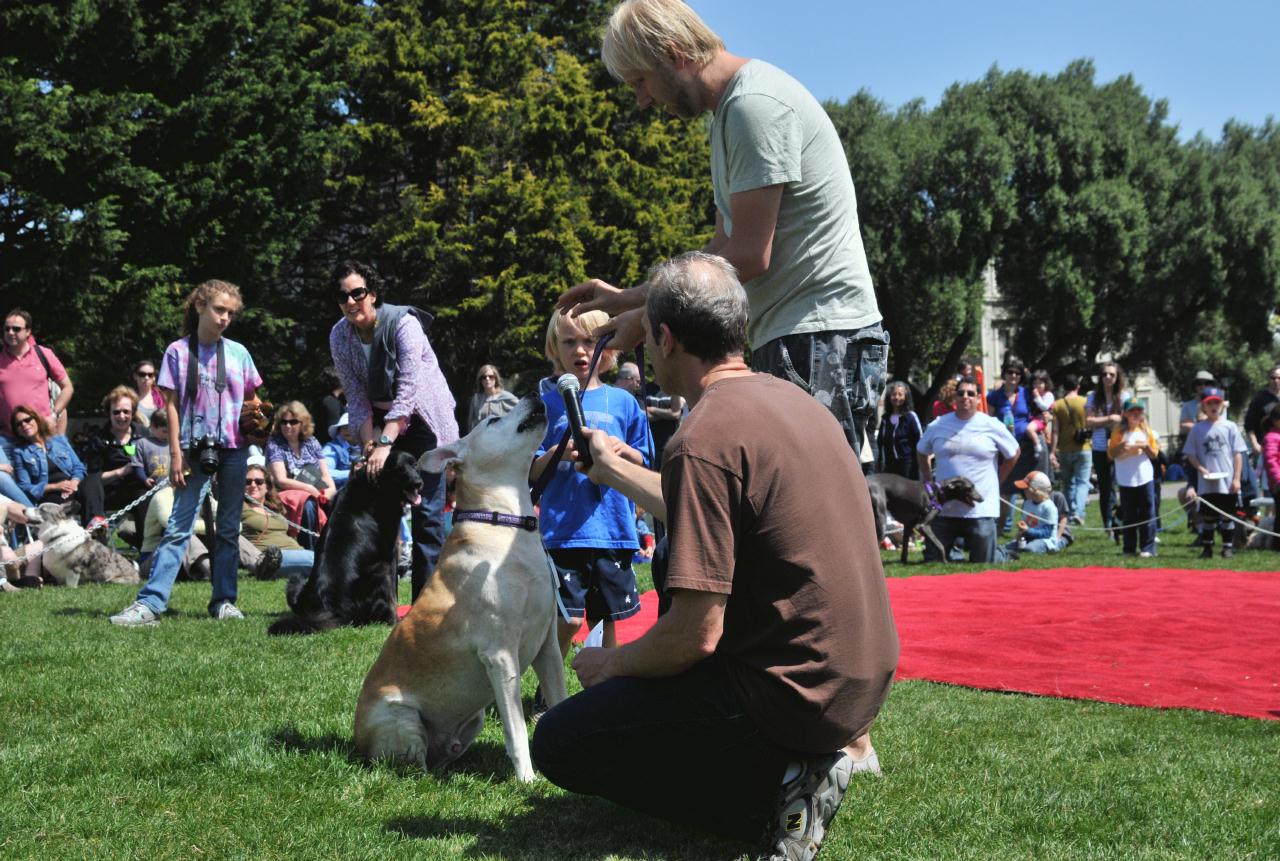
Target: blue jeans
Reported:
[(295, 562), (638, 742), (1074, 467), (10, 490), (427, 517), (186, 508), (844, 371), (979, 534), (1138, 506)]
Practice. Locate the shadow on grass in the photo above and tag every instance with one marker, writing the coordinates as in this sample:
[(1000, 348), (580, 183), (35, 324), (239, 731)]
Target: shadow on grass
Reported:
[(553, 827), (106, 614), (290, 740)]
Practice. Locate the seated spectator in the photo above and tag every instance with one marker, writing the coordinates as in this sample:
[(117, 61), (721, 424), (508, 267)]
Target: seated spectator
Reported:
[(340, 452), (267, 533), (150, 398), (48, 470), (151, 453), (295, 462), (8, 484), (1038, 528), (109, 450), (490, 398)]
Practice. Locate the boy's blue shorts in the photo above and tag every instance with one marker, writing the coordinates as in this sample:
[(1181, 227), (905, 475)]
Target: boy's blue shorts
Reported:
[(597, 581)]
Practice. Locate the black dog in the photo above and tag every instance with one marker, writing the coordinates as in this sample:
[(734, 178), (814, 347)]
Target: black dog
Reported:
[(353, 581), (914, 504)]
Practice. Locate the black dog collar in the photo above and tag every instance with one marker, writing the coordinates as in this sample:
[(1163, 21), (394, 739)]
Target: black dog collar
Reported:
[(497, 518)]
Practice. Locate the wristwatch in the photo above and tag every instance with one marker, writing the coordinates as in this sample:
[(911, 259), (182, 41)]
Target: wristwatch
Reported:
[(384, 440)]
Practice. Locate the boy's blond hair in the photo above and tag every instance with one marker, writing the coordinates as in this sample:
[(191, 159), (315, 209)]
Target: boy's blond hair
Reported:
[(589, 323), (642, 34)]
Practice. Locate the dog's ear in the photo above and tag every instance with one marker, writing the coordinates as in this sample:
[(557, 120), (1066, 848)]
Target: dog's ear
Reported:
[(438, 459)]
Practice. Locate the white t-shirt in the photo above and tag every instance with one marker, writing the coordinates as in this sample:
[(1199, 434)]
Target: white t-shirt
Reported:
[(1134, 470), (972, 449)]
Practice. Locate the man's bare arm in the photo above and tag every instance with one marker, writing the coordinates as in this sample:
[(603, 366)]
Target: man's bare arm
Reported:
[(685, 635), (755, 218), (638, 483)]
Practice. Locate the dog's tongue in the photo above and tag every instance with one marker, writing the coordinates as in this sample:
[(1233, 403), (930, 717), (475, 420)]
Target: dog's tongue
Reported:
[(417, 498)]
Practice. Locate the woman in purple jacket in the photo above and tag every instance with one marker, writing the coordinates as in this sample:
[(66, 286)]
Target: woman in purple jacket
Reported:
[(397, 397)]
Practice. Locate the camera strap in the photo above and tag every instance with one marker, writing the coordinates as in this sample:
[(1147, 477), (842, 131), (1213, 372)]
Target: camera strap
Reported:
[(193, 381)]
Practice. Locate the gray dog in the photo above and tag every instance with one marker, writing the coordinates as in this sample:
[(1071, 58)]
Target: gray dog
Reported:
[(70, 553), (914, 504)]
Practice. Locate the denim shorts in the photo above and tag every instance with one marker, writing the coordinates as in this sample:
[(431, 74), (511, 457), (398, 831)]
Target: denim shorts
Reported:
[(845, 371), (598, 581)]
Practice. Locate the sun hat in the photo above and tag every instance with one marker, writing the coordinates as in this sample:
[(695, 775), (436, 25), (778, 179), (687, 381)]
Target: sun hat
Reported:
[(336, 427), (1205, 377)]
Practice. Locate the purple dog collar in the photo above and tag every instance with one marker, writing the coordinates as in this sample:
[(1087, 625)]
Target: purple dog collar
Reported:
[(933, 490), (497, 518)]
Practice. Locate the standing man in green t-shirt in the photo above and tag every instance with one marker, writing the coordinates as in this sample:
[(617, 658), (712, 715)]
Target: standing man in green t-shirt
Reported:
[(1071, 456), (786, 211)]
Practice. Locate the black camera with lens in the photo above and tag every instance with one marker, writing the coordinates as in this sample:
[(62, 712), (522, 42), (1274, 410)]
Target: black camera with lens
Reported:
[(206, 453), (662, 403)]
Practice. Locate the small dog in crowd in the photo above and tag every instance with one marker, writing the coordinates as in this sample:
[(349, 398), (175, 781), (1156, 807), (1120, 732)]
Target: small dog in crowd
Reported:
[(70, 553), (353, 580), (486, 615), (914, 505)]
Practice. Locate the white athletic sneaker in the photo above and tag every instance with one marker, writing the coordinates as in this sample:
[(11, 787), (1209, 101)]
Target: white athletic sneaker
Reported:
[(227, 610), (136, 615), (869, 764), (806, 806)]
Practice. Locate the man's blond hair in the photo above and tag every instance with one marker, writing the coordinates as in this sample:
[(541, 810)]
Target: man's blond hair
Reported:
[(642, 34)]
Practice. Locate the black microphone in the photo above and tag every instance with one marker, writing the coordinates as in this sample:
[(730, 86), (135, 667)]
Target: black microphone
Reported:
[(568, 386)]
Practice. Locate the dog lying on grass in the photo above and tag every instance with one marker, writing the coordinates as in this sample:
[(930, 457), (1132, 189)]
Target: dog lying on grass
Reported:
[(353, 580), (71, 556), (485, 616), (914, 505)]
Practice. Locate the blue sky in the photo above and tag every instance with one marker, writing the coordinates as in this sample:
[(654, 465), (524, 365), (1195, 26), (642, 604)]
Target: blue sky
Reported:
[(1210, 61)]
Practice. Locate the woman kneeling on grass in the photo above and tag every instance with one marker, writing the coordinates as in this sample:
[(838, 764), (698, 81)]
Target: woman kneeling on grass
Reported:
[(268, 533), (205, 379)]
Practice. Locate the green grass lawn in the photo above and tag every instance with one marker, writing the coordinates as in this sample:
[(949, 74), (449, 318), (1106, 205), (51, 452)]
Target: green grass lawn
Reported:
[(200, 739)]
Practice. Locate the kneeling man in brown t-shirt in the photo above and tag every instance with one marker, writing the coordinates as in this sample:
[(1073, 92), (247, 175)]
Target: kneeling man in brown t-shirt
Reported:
[(747, 707)]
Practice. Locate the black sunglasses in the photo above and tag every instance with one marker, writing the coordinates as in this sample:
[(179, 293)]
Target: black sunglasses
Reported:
[(260, 481), (290, 422), (144, 373), (966, 394), (122, 412), (14, 328), (343, 296)]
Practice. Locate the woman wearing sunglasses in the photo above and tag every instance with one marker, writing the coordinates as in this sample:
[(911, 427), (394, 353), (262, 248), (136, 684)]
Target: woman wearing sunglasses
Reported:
[(110, 451), (397, 397), (144, 383), (47, 468), (298, 468), (267, 533)]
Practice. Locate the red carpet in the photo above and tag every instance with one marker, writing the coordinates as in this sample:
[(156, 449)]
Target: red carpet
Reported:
[(1207, 640)]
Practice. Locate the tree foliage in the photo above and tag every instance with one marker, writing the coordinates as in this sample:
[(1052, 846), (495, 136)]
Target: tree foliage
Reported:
[(479, 154)]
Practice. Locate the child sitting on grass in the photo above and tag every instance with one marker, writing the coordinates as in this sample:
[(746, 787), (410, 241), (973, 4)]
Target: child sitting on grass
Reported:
[(1038, 530)]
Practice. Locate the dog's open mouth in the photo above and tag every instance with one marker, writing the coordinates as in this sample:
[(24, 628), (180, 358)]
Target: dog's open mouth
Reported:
[(412, 496)]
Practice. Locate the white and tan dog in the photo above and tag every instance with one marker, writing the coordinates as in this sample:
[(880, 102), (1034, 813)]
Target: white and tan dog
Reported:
[(486, 615), (70, 553)]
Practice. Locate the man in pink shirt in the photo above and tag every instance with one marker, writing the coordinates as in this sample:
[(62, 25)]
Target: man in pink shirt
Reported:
[(24, 380)]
